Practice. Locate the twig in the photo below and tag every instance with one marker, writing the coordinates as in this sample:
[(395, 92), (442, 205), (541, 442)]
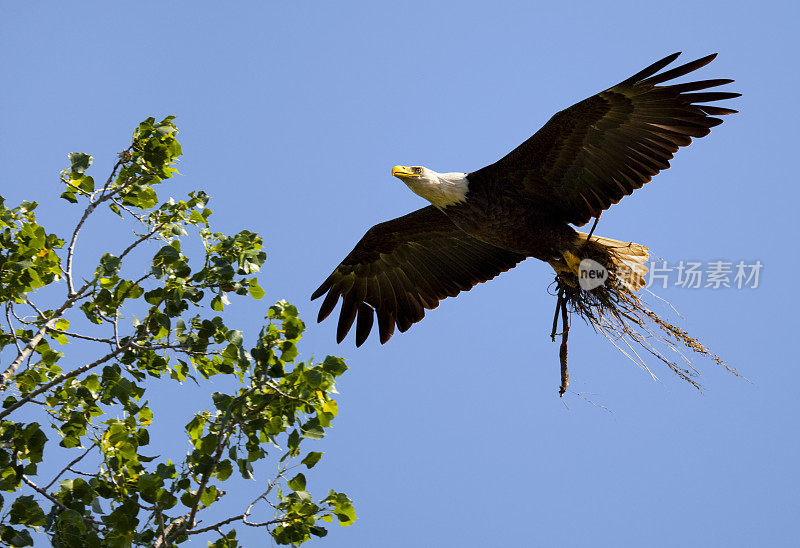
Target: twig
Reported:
[(215, 526), (587, 400), (88, 475), (116, 326), (140, 240), (44, 493), (79, 336), (11, 330), (35, 308), (224, 435), (129, 210), (558, 309), (562, 351), (280, 392), (88, 211), (68, 466)]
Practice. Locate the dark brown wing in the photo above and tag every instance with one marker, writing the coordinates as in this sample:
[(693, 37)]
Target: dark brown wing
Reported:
[(589, 156), (403, 266)]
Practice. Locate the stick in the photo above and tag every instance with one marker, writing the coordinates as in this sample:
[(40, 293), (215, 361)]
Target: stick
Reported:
[(562, 351), (555, 316)]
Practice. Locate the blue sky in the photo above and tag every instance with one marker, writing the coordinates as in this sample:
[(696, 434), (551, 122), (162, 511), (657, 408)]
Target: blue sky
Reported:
[(291, 117)]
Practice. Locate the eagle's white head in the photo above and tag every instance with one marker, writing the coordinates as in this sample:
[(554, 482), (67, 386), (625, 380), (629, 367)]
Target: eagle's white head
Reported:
[(440, 189)]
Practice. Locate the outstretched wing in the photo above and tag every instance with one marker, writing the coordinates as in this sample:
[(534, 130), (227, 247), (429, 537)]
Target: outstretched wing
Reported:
[(403, 266), (597, 151)]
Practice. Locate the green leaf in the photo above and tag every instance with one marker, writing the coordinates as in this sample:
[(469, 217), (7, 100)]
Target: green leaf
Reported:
[(234, 337), (166, 256), (297, 483), (83, 182), (195, 427), (209, 495), (26, 511), (15, 538), (311, 459), (333, 365), (313, 378), (69, 195), (255, 290), (224, 470), (62, 324), (346, 514), (216, 303), (313, 430), (79, 162)]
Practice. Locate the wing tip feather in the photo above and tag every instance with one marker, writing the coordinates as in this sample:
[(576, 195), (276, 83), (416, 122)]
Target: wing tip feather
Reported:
[(366, 317), (327, 306)]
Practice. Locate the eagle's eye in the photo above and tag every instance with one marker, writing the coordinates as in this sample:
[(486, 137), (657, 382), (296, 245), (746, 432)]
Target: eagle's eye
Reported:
[(417, 170)]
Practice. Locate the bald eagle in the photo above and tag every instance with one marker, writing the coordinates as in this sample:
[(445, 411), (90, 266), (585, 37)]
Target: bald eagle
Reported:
[(584, 159)]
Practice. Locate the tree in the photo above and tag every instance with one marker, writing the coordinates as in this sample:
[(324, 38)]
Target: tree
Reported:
[(106, 490)]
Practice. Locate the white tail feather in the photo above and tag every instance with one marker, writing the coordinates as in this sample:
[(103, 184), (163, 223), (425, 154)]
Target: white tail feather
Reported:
[(630, 258)]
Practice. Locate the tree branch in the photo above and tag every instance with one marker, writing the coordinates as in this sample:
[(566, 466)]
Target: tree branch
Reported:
[(68, 466), (65, 376), (123, 157), (89, 521), (178, 525), (74, 297), (9, 372), (215, 526), (11, 328), (224, 436)]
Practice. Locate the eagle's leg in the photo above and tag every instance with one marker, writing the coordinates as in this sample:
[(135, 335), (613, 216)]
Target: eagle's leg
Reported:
[(594, 225), (572, 261)]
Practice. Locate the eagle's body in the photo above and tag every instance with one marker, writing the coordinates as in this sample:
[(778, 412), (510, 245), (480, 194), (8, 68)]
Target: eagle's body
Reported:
[(479, 224), (502, 216)]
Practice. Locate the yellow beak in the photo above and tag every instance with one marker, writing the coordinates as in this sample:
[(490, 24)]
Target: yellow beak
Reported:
[(403, 171)]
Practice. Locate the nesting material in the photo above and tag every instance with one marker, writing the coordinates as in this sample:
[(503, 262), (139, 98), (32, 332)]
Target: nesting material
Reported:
[(617, 311)]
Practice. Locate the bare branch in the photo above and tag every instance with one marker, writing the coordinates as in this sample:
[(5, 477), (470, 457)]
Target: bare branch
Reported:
[(11, 330), (88, 211), (224, 435), (262, 496), (44, 493), (141, 239), (79, 336), (69, 466), (129, 210), (215, 526), (35, 308), (177, 525), (116, 326), (562, 351)]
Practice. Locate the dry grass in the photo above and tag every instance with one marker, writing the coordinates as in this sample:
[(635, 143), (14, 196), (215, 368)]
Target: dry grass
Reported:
[(619, 313)]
